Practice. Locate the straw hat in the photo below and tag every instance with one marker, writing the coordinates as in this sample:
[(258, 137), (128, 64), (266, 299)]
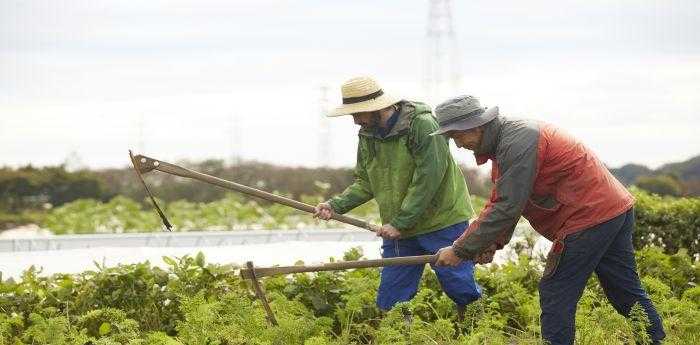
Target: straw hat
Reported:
[(462, 113), (362, 94)]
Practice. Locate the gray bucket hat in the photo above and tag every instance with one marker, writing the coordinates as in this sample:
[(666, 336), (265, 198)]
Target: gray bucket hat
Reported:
[(462, 113)]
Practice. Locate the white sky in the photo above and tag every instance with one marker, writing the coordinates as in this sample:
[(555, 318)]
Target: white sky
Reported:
[(212, 78)]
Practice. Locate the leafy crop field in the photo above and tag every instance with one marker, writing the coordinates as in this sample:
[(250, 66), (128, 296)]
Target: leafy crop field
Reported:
[(233, 212), (191, 301), (666, 222), (194, 302)]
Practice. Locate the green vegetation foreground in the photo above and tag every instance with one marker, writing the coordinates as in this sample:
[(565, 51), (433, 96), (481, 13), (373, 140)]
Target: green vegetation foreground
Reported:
[(193, 302)]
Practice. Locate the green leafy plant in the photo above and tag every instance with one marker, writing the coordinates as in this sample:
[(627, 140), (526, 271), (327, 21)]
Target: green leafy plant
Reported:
[(668, 223), (192, 301)]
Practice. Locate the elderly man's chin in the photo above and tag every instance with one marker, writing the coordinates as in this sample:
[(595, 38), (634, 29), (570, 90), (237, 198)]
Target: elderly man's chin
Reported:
[(470, 147)]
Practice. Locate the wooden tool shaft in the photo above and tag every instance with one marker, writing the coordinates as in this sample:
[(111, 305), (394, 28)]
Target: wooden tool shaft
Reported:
[(337, 266), (150, 163)]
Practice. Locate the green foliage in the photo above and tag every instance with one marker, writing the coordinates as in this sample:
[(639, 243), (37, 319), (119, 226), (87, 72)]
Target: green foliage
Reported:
[(108, 322), (34, 189), (688, 171), (194, 302), (292, 181), (10, 220), (660, 184), (47, 330), (30, 187), (90, 216), (669, 223), (629, 173), (680, 176), (678, 272), (233, 212)]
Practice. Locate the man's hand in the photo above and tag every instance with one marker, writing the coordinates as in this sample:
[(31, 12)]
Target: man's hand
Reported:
[(447, 257), (486, 256), (388, 232), (323, 211)]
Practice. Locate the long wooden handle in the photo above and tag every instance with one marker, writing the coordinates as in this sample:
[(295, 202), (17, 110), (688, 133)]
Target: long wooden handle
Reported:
[(337, 266), (147, 164)]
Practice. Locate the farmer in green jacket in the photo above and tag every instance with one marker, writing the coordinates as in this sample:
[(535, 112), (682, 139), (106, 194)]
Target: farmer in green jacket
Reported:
[(420, 190)]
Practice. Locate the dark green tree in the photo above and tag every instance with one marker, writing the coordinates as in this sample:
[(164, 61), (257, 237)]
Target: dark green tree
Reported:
[(661, 185)]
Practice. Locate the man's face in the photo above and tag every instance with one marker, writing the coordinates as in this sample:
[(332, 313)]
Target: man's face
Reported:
[(366, 120), (469, 139), (371, 119)]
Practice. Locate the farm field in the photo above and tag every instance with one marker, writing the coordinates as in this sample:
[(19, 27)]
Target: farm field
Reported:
[(192, 301)]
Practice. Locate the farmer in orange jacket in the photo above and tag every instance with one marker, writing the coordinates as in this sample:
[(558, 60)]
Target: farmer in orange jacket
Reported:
[(567, 195)]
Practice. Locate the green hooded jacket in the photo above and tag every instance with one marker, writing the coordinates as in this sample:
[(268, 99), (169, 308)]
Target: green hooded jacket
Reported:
[(414, 179)]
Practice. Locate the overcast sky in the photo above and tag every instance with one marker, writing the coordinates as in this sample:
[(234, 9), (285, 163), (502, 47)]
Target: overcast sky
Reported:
[(211, 79)]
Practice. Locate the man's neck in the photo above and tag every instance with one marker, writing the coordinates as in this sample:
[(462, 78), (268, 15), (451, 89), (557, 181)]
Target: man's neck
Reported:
[(489, 138)]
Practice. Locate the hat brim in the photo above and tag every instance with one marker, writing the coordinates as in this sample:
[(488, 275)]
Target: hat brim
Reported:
[(469, 123), (374, 104)]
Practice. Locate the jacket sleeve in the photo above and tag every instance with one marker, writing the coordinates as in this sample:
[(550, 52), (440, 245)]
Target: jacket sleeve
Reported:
[(358, 193), (431, 156), (517, 160)]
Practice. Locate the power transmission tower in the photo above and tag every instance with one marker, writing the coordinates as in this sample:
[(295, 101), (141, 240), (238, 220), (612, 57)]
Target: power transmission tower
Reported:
[(441, 74), (324, 129), (74, 162)]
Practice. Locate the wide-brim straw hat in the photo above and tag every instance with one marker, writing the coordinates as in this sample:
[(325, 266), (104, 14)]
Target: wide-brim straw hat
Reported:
[(362, 94), (462, 113)]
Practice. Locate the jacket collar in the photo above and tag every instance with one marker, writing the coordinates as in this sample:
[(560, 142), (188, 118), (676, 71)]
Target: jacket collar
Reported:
[(489, 141), (406, 111), (382, 132)]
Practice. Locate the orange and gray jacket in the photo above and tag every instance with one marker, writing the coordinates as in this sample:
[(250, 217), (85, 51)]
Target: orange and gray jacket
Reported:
[(545, 175)]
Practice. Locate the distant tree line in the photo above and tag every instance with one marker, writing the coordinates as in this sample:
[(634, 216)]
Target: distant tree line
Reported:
[(29, 187), (673, 179), (33, 188), (41, 195)]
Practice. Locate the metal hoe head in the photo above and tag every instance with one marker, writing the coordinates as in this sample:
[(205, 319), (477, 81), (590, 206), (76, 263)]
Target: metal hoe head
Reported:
[(143, 165)]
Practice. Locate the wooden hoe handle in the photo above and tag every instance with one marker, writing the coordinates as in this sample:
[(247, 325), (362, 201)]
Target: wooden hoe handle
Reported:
[(337, 266), (145, 164)]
